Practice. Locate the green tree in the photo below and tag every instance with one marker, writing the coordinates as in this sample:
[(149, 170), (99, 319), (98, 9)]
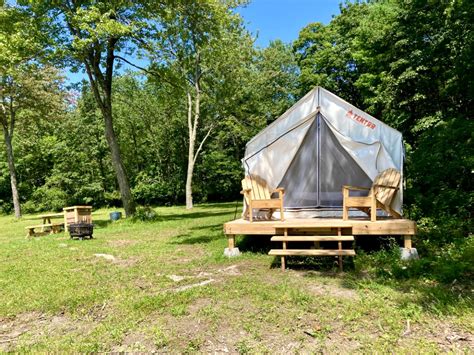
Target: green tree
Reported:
[(152, 136), (198, 51), (276, 81), (264, 88), (92, 33), (27, 89), (326, 55)]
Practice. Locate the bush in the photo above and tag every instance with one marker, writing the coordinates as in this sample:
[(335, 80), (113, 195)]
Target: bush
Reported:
[(6, 207), (444, 263), (145, 214), (112, 199), (46, 199), (149, 190)]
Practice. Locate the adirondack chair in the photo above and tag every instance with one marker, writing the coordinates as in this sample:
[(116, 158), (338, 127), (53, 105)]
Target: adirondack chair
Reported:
[(381, 194), (258, 195)]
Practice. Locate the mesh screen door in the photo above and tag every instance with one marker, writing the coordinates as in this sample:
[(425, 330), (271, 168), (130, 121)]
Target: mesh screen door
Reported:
[(321, 166)]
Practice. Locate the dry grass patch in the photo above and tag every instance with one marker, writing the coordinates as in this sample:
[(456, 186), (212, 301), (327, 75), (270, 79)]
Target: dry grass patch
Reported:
[(27, 329), (119, 243)]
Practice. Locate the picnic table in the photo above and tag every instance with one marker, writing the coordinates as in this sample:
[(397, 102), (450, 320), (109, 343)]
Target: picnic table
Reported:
[(47, 217), (70, 215), (47, 227)]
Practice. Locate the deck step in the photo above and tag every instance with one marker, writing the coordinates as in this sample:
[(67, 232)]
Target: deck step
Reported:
[(312, 238), (321, 224), (311, 252)]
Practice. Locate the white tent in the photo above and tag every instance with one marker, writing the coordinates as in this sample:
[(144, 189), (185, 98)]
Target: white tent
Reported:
[(320, 144)]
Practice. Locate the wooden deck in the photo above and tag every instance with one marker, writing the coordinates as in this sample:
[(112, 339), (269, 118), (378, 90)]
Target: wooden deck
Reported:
[(395, 227)]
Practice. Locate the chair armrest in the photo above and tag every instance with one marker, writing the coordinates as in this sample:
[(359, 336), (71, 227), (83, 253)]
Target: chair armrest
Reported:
[(387, 187), (281, 193), (356, 188)]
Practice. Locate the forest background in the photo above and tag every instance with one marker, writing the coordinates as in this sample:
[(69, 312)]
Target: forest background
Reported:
[(177, 125)]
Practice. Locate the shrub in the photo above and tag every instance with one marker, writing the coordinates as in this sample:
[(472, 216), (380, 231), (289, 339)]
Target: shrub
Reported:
[(5, 207), (149, 190), (145, 213), (443, 263), (112, 199), (46, 199)]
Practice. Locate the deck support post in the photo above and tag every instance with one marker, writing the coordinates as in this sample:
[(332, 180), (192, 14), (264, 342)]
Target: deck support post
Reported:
[(231, 241), (408, 252), (231, 249), (339, 246), (283, 258), (407, 241)]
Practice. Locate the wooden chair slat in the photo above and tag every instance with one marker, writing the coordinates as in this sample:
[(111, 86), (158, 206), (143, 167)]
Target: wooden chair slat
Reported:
[(258, 195), (389, 177), (256, 190), (381, 194)]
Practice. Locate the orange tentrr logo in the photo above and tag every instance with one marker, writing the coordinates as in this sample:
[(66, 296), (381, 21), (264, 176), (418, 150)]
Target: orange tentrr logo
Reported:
[(360, 119)]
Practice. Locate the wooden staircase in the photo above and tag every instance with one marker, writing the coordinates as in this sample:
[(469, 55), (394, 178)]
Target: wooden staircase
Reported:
[(335, 234)]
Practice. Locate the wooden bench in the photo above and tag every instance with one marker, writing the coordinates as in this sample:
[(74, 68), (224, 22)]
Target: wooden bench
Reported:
[(54, 228)]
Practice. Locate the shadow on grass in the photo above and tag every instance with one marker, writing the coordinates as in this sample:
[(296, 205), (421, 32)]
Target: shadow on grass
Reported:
[(101, 223), (220, 205), (192, 238), (191, 215), (259, 244), (189, 239), (212, 227), (315, 265)]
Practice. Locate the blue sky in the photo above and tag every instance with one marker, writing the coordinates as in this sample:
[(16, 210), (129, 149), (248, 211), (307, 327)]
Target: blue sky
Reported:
[(276, 19), (283, 19)]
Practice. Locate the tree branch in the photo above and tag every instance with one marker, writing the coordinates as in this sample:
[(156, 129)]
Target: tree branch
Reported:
[(202, 143), (148, 71), (12, 118), (190, 114), (93, 83), (109, 68)]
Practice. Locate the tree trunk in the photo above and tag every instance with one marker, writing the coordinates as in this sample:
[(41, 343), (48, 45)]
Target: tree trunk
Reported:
[(124, 186), (121, 175), (192, 132), (12, 170), (192, 139), (103, 98)]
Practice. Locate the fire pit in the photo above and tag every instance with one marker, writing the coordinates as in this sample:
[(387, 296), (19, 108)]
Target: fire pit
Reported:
[(81, 230)]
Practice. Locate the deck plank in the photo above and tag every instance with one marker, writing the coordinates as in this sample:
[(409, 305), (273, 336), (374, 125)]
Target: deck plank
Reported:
[(312, 238), (311, 252), (359, 227)]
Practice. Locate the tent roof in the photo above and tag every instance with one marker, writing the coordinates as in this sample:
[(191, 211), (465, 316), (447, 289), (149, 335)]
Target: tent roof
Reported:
[(308, 106)]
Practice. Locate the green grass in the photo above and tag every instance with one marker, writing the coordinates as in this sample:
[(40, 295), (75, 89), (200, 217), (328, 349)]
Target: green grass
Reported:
[(57, 296)]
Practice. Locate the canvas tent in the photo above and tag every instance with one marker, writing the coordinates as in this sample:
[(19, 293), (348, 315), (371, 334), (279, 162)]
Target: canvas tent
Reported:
[(320, 144)]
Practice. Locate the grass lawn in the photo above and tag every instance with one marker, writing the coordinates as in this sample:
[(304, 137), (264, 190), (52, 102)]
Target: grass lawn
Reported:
[(170, 289)]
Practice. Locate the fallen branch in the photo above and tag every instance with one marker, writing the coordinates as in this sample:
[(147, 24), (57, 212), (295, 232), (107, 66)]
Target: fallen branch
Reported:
[(187, 287)]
